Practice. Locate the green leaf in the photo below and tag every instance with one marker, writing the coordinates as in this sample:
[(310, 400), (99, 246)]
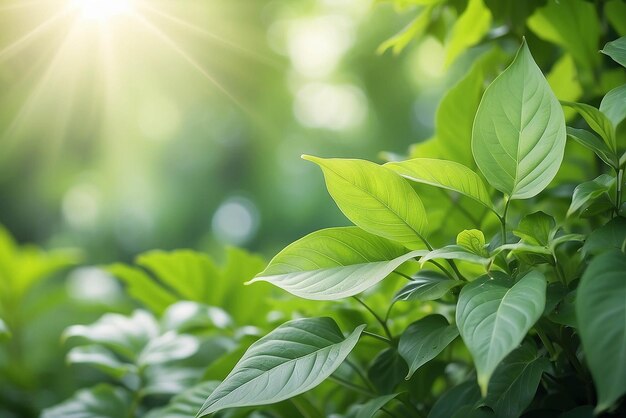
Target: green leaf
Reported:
[(189, 316), (455, 114), (473, 240), (453, 400), (292, 359), (617, 50), (608, 237), (368, 195), (423, 340), (592, 197), (387, 370), (595, 144), (414, 30), (334, 263), (597, 121), (518, 138), (445, 174), (126, 336), (187, 403), (600, 310), (102, 401), (514, 382), (168, 347), (471, 26), (104, 360), (613, 105), (426, 285), (536, 229), (571, 24), (369, 409), (455, 252), (494, 315)]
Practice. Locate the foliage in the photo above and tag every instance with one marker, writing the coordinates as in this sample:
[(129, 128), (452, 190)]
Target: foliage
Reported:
[(483, 275)]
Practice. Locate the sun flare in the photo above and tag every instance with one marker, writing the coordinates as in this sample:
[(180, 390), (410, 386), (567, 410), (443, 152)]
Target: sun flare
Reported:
[(102, 10)]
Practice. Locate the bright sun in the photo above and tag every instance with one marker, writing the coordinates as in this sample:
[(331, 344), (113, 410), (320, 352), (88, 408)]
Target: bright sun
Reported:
[(102, 10)]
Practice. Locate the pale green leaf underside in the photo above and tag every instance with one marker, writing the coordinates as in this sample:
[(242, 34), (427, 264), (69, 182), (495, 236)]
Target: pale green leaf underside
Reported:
[(449, 175), (617, 50), (375, 199), (423, 340), (518, 139), (614, 105), (494, 315), (292, 359), (334, 263), (601, 314)]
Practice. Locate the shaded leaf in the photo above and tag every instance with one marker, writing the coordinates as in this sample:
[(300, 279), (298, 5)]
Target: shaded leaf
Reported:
[(596, 121), (494, 315), (617, 50), (595, 144), (426, 285), (295, 357), (369, 409), (453, 400), (423, 340), (514, 382), (187, 403), (592, 197), (536, 229), (608, 237), (387, 370), (102, 401), (613, 105), (600, 310)]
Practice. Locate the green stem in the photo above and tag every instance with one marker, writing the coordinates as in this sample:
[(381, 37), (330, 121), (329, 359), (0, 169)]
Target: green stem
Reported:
[(352, 386), (546, 342), (382, 323), (378, 337), (450, 262), (406, 276), (618, 192), (503, 219)]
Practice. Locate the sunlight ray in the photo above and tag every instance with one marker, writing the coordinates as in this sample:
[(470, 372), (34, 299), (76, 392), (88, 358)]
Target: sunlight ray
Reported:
[(27, 108), (190, 60), (203, 32), (20, 5), (22, 42)]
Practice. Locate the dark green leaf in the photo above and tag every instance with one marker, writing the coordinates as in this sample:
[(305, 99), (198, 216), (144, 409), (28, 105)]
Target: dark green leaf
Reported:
[(369, 409), (601, 309), (608, 237), (387, 370), (595, 144), (426, 285), (186, 404), (592, 197), (536, 229), (494, 315), (423, 340), (462, 395)]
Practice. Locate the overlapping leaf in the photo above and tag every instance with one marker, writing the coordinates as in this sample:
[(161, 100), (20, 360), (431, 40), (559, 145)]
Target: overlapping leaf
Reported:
[(494, 315), (334, 263), (295, 357)]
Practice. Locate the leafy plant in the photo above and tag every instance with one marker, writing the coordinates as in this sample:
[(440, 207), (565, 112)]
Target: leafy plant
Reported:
[(533, 305)]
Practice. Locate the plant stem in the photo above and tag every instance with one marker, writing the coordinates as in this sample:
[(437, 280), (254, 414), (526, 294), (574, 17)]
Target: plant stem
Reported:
[(450, 262), (361, 375), (352, 386), (507, 201), (406, 276), (378, 318), (546, 341), (618, 192), (378, 337)]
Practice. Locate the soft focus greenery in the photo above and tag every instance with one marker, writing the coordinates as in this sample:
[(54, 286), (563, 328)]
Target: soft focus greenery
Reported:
[(150, 170)]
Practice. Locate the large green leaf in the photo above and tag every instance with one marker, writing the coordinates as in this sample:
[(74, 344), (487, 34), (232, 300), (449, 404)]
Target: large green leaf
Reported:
[(518, 138), (617, 50), (102, 401), (515, 381), (295, 357), (600, 311), (445, 174), (334, 263), (613, 105), (494, 315), (423, 340), (471, 26), (571, 24), (592, 197), (426, 285), (375, 199)]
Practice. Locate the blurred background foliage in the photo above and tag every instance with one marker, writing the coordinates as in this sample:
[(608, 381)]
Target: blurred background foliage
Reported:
[(181, 126)]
